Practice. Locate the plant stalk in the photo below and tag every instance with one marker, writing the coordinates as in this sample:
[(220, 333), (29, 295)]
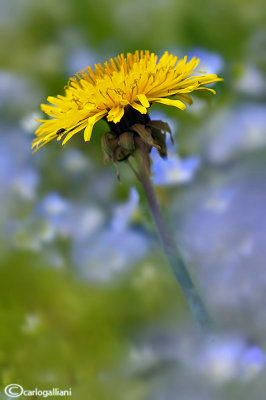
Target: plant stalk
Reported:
[(173, 255)]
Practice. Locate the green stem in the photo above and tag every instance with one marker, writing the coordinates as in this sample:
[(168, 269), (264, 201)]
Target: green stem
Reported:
[(175, 260)]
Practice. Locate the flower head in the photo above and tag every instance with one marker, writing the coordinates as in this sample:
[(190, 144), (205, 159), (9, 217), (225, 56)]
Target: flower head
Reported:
[(133, 81)]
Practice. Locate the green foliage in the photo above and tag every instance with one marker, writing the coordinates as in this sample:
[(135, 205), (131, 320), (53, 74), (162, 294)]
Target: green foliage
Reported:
[(60, 331)]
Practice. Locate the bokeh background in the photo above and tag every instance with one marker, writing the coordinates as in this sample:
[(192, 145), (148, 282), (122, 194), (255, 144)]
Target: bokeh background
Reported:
[(88, 300)]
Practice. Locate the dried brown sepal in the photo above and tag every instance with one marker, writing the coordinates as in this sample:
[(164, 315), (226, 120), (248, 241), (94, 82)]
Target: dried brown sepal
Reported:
[(126, 140), (145, 134), (121, 154), (158, 124), (117, 171), (160, 138), (109, 144), (144, 151), (162, 126), (106, 158)]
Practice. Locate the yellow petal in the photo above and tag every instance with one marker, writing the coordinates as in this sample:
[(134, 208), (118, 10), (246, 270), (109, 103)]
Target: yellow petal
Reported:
[(91, 122), (73, 132), (115, 114), (206, 88), (138, 107), (185, 97), (143, 100), (55, 101), (124, 102), (38, 144), (119, 115), (169, 102)]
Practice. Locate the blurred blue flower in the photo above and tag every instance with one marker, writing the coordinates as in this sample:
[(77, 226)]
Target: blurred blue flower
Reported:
[(81, 57), (53, 205), (210, 62), (12, 93), (25, 183), (124, 212), (230, 358), (85, 222), (222, 359), (76, 221), (253, 361), (113, 247), (17, 174), (237, 130), (28, 122), (173, 170), (251, 82), (74, 162)]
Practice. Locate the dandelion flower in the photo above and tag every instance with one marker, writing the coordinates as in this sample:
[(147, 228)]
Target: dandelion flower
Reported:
[(120, 91)]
